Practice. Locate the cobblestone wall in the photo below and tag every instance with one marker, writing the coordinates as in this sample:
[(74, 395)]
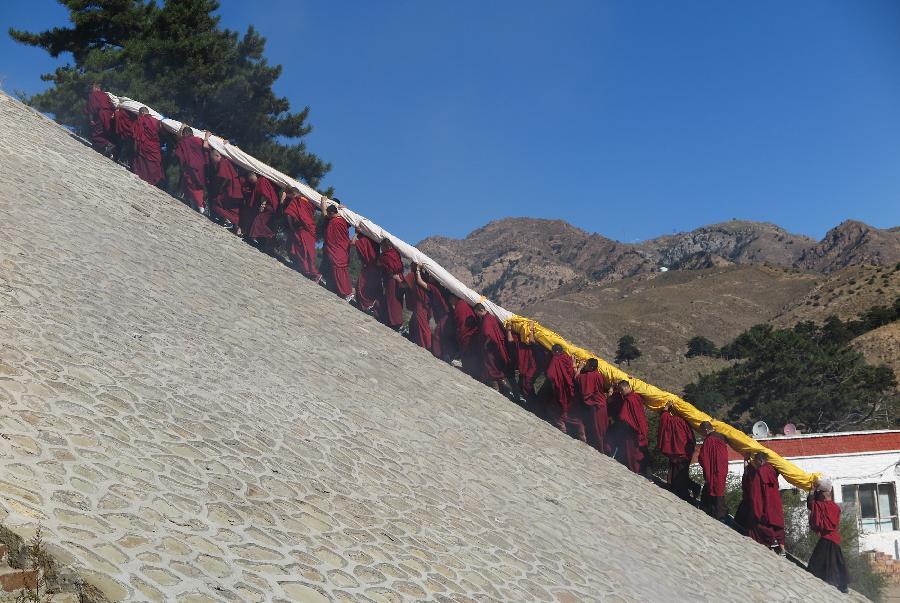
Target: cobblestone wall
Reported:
[(192, 421)]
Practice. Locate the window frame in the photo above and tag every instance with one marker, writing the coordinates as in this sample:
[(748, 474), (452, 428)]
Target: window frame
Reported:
[(881, 517)]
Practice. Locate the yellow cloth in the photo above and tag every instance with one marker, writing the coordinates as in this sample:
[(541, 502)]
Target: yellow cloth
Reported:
[(656, 399)]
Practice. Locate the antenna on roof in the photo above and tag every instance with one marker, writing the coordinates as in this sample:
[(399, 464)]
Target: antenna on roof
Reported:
[(790, 429), (760, 429)]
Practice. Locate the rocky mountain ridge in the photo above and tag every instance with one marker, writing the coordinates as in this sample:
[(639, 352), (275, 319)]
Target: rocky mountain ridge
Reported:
[(519, 261)]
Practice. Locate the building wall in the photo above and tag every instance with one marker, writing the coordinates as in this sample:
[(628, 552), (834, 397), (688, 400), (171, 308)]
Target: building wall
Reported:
[(861, 468)]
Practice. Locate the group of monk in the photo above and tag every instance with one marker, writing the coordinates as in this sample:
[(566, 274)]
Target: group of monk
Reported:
[(575, 398)]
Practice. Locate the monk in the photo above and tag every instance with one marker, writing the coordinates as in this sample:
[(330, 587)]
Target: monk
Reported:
[(442, 338), (713, 459), (192, 159), (124, 123), (827, 560), (392, 280), (523, 358), (495, 358), (467, 336), (226, 194), (628, 436), (558, 392), (336, 256), (147, 154), (766, 512), (675, 440), (100, 111), (419, 303), (590, 396), (300, 215), (264, 201), (369, 291), (742, 514)]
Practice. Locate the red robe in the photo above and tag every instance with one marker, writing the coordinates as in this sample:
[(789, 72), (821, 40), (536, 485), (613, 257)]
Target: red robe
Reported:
[(825, 520), (526, 364), (561, 376), (631, 429), (496, 358), (713, 459), (369, 292), (442, 339), (124, 124), (148, 156), (300, 214), (227, 195), (766, 511), (590, 393), (392, 264), (263, 192), (337, 256), (675, 438), (467, 338), (419, 303), (100, 111), (192, 159)]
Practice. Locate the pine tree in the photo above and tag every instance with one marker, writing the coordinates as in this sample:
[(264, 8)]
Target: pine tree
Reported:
[(627, 350), (701, 346), (177, 59)]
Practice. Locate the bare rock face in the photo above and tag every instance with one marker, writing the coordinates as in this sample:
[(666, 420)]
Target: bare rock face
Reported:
[(853, 243), (191, 421)]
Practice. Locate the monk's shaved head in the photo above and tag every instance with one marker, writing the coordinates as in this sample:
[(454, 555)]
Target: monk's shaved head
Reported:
[(187, 131), (556, 349), (591, 364), (707, 427), (479, 309), (143, 111), (760, 458)]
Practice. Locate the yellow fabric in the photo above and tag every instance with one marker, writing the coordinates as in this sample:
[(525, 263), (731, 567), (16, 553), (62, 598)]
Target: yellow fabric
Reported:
[(656, 399)]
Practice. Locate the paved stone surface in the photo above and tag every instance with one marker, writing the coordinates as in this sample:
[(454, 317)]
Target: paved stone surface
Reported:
[(191, 421)]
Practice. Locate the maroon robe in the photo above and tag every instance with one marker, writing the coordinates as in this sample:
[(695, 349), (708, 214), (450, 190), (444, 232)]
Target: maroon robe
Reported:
[(742, 515), (192, 159), (675, 438), (526, 364), (392, 264), (227, 195), (467, 338), (496, 358), (419, 303), (590, 394), (300, 214), (442, 338), (124, 125), (630, 441), (369, 292), (100, 113), (558, 391), (825, 520), (263, 192), (336, 257), (147, 156), (766, 514), (713, 459)]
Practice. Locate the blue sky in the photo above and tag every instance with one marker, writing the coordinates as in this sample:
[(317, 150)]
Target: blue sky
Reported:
[(632, 119)]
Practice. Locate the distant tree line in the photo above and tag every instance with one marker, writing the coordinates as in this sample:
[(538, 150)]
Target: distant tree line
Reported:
[(807, 375)]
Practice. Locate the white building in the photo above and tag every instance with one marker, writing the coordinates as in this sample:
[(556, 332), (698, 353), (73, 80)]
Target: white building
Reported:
[(864, 467)]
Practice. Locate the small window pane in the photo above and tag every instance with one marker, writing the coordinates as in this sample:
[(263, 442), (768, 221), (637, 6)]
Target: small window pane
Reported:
[(848, 495), (868, 507)]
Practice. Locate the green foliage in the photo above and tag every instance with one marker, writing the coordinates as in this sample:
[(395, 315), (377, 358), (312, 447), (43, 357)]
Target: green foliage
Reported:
[(176, 58), (627, 350), (701, 346), (801, 541), (806, 375)]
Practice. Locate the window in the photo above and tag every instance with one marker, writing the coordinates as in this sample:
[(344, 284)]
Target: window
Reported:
[(875, 505)]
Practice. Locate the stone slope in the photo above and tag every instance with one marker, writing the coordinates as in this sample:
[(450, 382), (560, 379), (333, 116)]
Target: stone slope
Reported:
[(191, 421)]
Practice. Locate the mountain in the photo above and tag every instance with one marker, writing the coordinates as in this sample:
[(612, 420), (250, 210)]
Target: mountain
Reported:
[(519, 261)]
